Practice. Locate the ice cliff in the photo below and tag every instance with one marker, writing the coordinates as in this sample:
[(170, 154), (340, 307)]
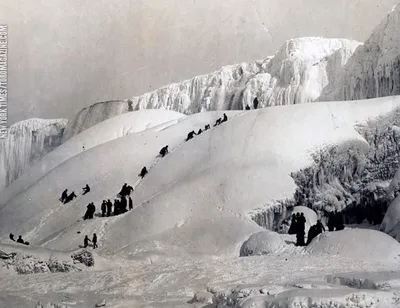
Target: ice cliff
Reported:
[(27, 142), (296, 74), (374, 68)]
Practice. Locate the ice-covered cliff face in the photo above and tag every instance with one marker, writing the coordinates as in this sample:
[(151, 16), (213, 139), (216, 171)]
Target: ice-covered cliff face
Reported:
[(374, 68), (296, 74), (27, 142)]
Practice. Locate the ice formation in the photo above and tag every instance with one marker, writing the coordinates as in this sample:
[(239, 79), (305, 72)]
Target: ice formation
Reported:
[(27, 142), (296, 74), (374, 68), (262, 243)]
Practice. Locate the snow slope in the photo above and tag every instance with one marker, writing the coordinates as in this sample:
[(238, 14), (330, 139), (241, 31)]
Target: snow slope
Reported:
[(222, 174), (116, 127), (298, 72), (374, 68), (27, 142)]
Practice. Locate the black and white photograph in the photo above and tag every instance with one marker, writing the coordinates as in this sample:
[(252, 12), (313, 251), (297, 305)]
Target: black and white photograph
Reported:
[(199, 154)]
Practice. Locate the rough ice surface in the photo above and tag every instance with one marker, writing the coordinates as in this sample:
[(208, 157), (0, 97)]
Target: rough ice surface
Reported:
[(28, 141), (116, 127), (356, 243), (374, 68), (296, 74)]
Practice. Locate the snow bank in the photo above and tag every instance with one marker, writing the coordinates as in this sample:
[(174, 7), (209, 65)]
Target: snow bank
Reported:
[(362, 244), (309, 214), (116, 127), (392, 216), (228, 170), (296, 74), (27, 142), (262, 243)]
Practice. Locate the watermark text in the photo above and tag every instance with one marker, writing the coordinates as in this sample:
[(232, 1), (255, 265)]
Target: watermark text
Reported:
[(3, 80)]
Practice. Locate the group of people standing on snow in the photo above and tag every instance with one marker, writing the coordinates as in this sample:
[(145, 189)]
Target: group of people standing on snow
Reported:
[(255, 104), (298, 226), (206, 127), (19, 240)]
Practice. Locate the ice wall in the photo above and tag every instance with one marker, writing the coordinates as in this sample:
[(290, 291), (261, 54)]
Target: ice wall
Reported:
[(296, 74), (27, 142), (374, 68)]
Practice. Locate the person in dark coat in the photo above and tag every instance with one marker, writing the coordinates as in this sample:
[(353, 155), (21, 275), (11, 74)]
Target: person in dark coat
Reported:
[(12, 237), (164, 151), (225, 118), (94, 241), (64, 196), (301, 230), (143, 172), (190, 135), (320, 227), (116, 207), (130, 204), (311, 234), (103, 208), (109, 208), (124, 205), (129, 189), (218, 122), (331, 222), (86, 241), (199, 132), (86, 189), (123, 190), (20, 240), (293, 225), (207, 127), (247, 107), (255, 102), (339, 221), (87, 213)]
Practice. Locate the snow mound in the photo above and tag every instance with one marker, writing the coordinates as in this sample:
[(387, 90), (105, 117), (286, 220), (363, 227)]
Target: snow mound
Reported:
[(309, 214), (262, 243), (298, 73), (362, 244), (225, 172), (26, 143), (116, 127)]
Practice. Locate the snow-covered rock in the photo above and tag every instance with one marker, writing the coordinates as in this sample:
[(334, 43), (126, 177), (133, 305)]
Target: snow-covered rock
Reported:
[(296, 74), (392, 216), (262, 243), (362, 244), (27, 142), (374, 68), (116, 127)]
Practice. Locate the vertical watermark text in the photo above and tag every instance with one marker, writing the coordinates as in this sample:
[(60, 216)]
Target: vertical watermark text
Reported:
[(3, 80)]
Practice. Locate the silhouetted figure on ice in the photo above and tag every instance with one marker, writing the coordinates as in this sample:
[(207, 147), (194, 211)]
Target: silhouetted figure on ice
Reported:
[(109, 208), (164, 151), (225, 118), (331, 221), (339, 221), (116, 207), (199, 132), (20, 240), (70, 197), (12, 237), (91, 209), (247, 107), (130, 204), (103, 208), (207, 127), (143, 172), (94, 241), (124, 205), (190, 135), (26, 243), (320, 227), (218, 122), (126, 190), (86, 242), (301, 230), (85, 189), (293, 225), (312, 232), (64, 196), (255, 103)]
